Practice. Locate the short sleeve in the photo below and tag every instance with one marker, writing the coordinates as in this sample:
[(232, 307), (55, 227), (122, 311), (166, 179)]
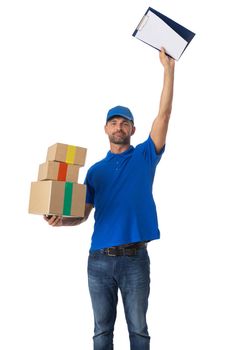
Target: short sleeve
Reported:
[(149, 151), (90, 190)]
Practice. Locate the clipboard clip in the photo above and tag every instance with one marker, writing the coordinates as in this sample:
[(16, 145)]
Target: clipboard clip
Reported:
[(142, 22)]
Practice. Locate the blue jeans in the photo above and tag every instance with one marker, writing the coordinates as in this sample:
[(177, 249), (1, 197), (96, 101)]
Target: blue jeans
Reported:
[(130, 274)]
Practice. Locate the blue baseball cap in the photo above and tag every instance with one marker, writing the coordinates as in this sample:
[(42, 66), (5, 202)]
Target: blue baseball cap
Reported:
[(120, 111)]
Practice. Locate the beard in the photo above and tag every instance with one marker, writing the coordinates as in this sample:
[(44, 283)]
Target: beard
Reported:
[(119, 138)]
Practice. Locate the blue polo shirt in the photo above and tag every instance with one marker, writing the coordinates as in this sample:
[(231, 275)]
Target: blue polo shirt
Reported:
[(120, 189)]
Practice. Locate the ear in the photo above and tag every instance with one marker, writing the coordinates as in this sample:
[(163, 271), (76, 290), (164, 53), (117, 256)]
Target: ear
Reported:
[(133, 130), (105, 128)]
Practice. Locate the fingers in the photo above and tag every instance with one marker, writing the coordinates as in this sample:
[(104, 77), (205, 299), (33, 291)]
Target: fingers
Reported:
[(162, 51), (166, 60), (53, 220), (162, 55), (47, 217)]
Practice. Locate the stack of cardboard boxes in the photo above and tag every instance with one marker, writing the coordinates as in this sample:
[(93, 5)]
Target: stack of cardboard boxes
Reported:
[(57, 192)]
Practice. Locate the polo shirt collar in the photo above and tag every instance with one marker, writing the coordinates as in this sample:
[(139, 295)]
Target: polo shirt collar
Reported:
[(111, 155)]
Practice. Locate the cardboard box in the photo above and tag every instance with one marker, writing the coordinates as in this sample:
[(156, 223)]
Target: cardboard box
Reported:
[(67, 154), (57, 198), (58, 171)]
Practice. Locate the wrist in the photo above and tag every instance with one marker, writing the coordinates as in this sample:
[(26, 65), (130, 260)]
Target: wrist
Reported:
[(169, 70)]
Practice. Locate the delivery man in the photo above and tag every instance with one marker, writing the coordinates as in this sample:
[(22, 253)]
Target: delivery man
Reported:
[(119, 188)]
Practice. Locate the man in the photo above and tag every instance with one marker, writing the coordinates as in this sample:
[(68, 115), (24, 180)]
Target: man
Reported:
[(119, 187)]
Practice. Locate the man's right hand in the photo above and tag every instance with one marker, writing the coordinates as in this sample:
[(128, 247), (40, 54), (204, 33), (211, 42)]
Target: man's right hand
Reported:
[(53, 220)]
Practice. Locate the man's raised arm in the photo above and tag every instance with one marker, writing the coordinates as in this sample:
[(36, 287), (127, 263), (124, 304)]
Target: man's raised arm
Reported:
[(160, 125)]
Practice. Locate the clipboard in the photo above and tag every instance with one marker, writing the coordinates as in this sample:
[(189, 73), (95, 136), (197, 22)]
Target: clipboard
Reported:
[(158, 30)]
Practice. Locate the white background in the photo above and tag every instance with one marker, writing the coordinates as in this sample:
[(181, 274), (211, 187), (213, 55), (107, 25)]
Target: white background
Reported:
[(63, 65)]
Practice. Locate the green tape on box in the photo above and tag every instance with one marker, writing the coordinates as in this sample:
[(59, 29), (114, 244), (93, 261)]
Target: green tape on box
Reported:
[(68, 198)]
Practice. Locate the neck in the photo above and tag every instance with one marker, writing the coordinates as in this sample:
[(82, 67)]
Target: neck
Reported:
[(118, 148)]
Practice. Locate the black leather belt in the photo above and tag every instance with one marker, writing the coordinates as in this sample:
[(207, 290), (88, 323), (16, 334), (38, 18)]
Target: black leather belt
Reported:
[(126, 249)]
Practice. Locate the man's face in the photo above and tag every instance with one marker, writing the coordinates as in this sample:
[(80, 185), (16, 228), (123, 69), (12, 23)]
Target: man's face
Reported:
[(119, 130)]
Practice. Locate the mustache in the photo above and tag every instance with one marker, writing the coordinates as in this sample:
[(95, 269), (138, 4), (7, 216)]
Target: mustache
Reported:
[(119, 132)]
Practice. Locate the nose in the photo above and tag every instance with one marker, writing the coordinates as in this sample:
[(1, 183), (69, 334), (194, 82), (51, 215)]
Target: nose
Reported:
[(119, 127)]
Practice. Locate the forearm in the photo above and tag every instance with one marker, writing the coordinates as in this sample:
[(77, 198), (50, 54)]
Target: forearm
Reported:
[(69, 221), (160, 125), (72, 221), (54, 220), (165, 106)]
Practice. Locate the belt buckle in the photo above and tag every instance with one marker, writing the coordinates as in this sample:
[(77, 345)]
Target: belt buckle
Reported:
[(108, 252), (122, 251)]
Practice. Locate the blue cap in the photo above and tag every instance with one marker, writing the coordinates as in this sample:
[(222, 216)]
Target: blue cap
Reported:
[(120, 111)]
